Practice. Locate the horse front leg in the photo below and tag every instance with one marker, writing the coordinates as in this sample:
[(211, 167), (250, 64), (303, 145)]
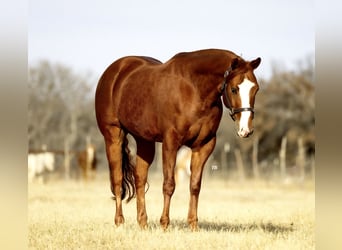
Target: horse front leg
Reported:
[(198, 160), (145, 155), (169, 151)]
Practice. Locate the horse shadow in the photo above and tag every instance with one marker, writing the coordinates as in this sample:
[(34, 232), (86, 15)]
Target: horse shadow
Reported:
[(210, 226)]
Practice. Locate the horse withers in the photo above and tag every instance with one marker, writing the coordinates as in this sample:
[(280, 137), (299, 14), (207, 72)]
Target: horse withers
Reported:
[(177, 103)]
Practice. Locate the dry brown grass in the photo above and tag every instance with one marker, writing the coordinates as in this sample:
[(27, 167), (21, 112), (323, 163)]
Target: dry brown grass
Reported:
[(250, 215)]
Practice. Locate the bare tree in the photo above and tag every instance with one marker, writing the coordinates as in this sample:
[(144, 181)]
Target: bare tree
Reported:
[(59, 100)]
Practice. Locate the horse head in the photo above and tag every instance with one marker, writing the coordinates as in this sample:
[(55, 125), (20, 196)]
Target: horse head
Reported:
[(239, 89)]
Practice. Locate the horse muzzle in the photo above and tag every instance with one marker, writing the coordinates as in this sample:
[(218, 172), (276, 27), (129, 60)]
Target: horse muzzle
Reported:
[(245, 132)]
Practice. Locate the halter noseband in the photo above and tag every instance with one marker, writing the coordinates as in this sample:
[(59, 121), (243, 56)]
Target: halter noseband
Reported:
[(232, 110)]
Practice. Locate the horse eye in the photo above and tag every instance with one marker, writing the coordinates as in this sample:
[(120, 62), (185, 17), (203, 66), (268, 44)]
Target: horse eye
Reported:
[(234, 90)]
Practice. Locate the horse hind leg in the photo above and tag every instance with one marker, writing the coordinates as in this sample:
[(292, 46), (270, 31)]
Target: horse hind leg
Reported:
[(117, 157), (145, 155)]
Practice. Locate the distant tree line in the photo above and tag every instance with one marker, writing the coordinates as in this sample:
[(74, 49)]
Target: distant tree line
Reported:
[(61, 115), (60, 107)]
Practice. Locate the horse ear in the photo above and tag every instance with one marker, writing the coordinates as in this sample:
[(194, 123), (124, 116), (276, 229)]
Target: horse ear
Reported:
[(235, 63), (255, 63)]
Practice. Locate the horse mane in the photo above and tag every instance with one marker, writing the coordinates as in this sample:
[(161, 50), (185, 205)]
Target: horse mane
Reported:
[(151, 59), (219, 60), (203, 53)]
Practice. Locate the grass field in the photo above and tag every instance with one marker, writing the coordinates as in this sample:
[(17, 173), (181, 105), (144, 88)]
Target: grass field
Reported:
[(247, 215)]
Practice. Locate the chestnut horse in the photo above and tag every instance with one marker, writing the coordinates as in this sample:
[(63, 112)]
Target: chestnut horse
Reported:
[(87, 161), (177, 103)]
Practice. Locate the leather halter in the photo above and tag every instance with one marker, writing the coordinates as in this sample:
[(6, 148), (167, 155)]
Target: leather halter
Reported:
[(223, 89)]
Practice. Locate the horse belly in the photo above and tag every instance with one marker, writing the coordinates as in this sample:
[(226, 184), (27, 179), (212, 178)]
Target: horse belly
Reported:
[(140, 120)]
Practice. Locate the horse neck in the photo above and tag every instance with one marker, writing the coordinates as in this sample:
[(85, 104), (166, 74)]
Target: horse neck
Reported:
[(212, 61), (206, 70)]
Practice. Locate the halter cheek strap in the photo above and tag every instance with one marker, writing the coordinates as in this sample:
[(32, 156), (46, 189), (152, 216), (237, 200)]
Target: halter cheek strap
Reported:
[(223, 89)]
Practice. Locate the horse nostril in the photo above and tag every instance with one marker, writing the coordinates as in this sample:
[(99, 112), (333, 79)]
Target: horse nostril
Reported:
[(244, 133), (250, 133)]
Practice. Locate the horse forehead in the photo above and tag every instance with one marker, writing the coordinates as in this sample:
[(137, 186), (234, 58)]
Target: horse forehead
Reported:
[(246, 85)]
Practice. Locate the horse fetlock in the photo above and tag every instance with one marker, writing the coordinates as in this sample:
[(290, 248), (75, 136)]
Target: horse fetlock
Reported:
[(142, 221), (164, 222), (193, 224)]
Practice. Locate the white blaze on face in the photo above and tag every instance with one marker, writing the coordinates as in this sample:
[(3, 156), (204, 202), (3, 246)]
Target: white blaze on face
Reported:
[(244, 91)]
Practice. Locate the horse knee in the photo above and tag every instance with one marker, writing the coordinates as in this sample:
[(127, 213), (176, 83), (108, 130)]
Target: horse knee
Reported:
[(169, 187), (195, 188)]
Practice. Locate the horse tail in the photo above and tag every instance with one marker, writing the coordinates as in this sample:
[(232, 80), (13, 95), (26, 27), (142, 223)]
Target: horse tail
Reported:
[(128, 183)]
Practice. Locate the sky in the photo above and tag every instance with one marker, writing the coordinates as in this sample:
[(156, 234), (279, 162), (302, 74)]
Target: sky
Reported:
[(89, 35)]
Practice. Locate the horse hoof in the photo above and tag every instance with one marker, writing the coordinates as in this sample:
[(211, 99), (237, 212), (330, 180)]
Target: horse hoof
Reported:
[(164, 227), (194, 226), (119, 220), (143, 226), (164, 223)]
